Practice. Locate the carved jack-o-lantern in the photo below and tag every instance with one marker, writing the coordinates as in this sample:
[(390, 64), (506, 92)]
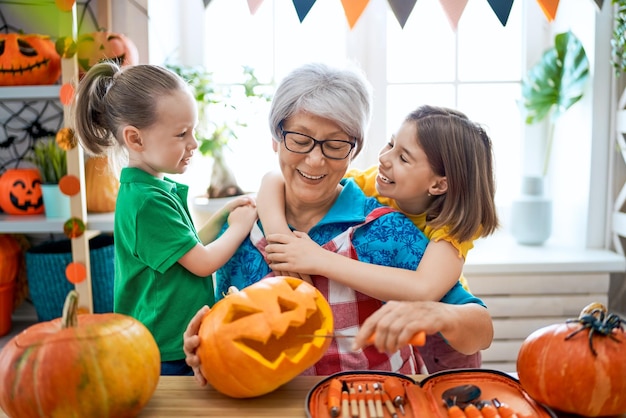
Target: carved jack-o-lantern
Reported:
[(20, 192), (28, 59), (257, 339), (95, 47)]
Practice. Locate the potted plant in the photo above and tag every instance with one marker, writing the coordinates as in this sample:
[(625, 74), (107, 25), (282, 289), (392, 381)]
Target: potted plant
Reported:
[(51, 161), (549, 89), (218, 120), (618, 41)]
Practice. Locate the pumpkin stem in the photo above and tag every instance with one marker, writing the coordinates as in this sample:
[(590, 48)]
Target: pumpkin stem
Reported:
[(70, 310)]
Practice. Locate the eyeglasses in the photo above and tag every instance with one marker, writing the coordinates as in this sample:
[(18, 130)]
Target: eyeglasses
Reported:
[(303, 144)]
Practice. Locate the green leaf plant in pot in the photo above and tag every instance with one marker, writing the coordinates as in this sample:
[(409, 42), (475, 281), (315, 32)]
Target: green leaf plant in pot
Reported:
[(549, 89), (219, 120), (51, 161)]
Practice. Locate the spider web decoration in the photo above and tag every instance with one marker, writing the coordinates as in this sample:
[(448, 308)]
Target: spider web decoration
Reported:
[(23, 122)]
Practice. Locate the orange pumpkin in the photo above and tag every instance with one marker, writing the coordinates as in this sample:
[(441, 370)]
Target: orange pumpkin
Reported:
[(95, 47), (10, 258), (20, 191), (577, 367), (101, 185), (28, 59), (90, 365), (251, 342)]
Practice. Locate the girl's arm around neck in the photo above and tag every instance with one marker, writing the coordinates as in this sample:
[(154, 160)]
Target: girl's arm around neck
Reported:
[(212, 228)]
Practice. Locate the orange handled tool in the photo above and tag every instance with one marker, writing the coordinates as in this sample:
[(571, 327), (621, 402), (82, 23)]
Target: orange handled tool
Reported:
[(504, 410), (488, 410), (395, 390), (334, 398), (472, 412), (417, 339), (455, 412)]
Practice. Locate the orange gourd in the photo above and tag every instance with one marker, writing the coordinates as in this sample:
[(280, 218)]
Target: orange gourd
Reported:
[(90, 365), (95, 47), (579, 366), (28, 59), (257, 339), (20, 192), (10, 258), (101, 185)]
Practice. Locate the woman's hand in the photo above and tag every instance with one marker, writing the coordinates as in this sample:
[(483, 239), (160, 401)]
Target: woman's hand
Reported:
[(191, 342)]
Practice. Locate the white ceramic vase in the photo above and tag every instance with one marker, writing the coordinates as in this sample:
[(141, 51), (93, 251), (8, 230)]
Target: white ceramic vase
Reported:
[(531, 213)]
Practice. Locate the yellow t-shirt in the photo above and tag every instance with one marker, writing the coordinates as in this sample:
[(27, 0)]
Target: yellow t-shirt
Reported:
[(366, 180)]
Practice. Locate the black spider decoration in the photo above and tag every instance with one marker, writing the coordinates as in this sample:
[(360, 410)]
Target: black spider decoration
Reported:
[(597, 320)]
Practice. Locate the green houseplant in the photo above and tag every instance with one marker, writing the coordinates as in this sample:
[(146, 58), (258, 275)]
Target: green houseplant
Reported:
[(51, 161), (618, 41), (549, 89), (219, 120)]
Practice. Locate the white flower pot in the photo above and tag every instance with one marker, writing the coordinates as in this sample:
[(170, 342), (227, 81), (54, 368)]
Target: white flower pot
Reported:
[(531, 214)]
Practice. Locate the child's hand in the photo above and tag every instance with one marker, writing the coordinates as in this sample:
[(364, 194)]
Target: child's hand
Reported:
[(191, 342), (242, 217), (294, 253), (246, 200)]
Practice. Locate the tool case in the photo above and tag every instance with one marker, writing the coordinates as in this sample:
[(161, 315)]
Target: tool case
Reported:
[(425, 399)]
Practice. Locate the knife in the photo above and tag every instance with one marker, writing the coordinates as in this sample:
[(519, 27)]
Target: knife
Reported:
[(418, 338)]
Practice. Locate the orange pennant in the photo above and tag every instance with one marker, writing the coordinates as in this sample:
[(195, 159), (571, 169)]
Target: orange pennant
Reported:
[(353, 10), (549, 8), (454, 10)]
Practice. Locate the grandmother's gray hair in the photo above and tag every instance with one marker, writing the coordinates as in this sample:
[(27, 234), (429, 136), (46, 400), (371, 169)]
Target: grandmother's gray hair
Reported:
[(342, 95)]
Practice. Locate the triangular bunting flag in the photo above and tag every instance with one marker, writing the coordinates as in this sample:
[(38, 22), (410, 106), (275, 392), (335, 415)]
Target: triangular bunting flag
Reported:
[(353, 10), (549, 8), (454, 10), (599, 4), (303, 7), (402, 9), (502, 9), (253, 5)]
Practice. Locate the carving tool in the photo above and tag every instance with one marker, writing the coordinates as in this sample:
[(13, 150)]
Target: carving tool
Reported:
[(488, 410), (389, 405), (504, 410), (345, 402), (361, 398), (378, 400), (354, 407), (417, 339), (369, 397), (334, 398), (472, 412), (396, 392)]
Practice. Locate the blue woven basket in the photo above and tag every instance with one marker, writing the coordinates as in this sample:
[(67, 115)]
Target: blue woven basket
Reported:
[(48, 286)]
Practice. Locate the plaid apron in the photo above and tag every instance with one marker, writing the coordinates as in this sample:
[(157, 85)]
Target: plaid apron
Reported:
[(350, 309)]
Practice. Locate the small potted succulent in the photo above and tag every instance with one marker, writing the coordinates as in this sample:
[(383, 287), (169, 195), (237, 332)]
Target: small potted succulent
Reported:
[(51, 161)]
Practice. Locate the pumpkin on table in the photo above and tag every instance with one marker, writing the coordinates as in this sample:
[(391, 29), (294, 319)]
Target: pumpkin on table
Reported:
[(20, 191), (579, 366), (101, 185), (28, 59), (95, 47), (251, 342), (89, 365)]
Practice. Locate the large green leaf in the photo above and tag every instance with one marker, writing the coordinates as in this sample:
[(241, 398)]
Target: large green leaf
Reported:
[(557, 81)]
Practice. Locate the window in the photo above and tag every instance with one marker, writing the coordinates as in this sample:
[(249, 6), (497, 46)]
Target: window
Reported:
[(475, 71)]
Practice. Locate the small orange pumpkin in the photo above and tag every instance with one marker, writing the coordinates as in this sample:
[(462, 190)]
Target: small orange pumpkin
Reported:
[(10, 258), (251, 342), (28, 59), (101, 185), (577, 367), (95, 47), (20, 191), (90, 365)]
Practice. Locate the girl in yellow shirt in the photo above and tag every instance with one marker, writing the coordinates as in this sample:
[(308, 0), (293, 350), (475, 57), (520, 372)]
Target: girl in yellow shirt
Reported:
[(437, 169)]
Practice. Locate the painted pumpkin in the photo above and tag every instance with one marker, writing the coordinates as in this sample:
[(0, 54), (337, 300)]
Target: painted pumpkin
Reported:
[(10, 258), (101, 185), (579, 366), (28, 59), (95, 47), (20, 191), (251, 342), (90, 365)]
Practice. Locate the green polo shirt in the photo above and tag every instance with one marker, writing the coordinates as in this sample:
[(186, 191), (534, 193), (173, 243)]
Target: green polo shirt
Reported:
[(153, 230)]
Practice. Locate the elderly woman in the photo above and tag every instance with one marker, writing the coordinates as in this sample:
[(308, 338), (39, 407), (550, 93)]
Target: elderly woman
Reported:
[(318, 120)]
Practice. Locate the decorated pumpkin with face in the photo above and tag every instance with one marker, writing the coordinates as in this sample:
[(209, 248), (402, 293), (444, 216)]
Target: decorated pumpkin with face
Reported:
[(20, 192), (259, 338), (95, 47), (28, 59)]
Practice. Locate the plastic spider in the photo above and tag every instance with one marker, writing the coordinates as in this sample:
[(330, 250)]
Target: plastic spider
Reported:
[(596, 319)]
